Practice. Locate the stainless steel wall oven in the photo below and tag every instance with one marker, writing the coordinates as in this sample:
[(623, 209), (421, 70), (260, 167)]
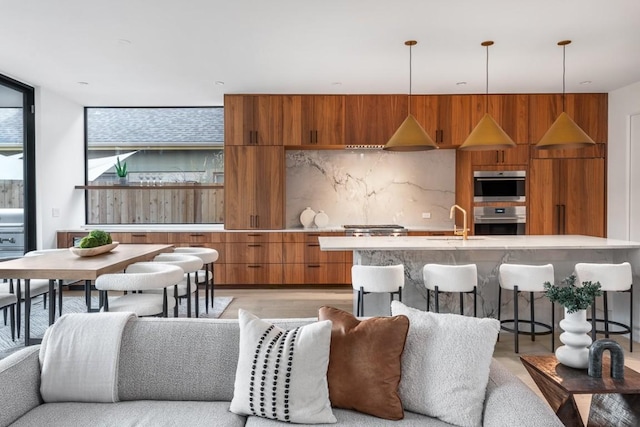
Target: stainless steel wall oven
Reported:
[(506, 220), (499, 186)]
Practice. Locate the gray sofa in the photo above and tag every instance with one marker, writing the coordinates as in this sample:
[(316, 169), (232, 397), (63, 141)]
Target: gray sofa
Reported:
[(181, 372)]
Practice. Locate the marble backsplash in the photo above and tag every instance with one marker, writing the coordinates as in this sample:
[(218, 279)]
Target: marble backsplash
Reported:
[(371, 186)]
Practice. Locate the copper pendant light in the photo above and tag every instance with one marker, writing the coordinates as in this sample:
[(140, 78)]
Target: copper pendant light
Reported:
[(487, 135), (564, 133), (410, 136)]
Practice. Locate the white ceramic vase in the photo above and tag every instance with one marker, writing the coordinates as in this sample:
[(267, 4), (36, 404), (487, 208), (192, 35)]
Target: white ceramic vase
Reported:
[(575, 351), (306, 217), (321, 219)]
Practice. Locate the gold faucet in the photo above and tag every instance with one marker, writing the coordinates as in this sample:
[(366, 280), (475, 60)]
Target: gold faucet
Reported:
[(464, 230)]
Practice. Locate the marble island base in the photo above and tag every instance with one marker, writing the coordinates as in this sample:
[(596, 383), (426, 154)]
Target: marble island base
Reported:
[(488, 253)]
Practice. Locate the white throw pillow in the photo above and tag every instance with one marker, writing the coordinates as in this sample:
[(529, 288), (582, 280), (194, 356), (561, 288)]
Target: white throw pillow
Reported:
[(445, 364), (282, 374)]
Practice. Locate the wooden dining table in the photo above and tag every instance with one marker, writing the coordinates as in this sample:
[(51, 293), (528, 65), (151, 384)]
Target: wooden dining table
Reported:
[(65, 265)]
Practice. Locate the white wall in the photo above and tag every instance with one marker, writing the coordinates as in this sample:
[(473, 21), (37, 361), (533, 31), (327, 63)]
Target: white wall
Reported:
[(623, 192), (59, 165)]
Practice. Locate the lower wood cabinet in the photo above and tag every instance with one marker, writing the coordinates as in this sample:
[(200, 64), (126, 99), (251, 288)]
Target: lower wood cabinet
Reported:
[(248, 258)]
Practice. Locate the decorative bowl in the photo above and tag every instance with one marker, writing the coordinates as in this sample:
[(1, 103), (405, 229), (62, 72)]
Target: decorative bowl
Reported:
[(93, 251)]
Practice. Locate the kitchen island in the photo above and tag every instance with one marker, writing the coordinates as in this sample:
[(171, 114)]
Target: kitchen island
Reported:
[(487, 252)]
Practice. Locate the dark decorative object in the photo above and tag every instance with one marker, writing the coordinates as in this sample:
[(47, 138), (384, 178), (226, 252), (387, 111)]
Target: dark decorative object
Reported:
[(595, 358)]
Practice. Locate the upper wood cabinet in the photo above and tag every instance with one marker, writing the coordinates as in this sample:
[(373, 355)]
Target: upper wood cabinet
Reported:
[(253, 119), (254, 188), (511, 112), (373, 119), (323, 120), (588, 110), (447, 119), (518, 155)]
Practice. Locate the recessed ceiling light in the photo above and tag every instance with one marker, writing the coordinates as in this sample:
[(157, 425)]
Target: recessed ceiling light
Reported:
[(586, 82), (219, 83), (461, 83), (336, 84), (124, 42), (83, 83)]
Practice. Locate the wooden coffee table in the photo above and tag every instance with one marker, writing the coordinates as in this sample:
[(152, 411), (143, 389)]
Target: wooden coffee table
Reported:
[(614, 402)]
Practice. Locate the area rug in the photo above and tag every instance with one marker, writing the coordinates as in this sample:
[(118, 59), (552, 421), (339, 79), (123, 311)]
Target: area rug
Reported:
[(40, 318)]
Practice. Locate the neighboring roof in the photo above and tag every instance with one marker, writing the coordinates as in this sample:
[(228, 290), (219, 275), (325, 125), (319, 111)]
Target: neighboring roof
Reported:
[(11, 126), (155, 126)]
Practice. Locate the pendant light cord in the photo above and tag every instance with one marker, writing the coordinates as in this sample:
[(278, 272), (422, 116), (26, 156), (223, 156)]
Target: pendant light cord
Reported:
[(564, 48), (410, 77), (486, 98)]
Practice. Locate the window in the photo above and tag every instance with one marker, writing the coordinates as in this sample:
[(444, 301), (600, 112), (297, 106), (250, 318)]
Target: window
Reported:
[(174, 165)]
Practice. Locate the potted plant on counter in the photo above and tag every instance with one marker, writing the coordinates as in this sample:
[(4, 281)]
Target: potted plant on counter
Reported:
[(575, 300), (121, 171)]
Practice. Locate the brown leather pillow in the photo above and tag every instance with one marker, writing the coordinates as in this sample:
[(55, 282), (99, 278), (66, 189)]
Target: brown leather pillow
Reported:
[(364, 362)]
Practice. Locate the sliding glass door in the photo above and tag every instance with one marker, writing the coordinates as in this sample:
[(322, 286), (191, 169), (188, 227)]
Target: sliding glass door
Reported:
[(17, 169)]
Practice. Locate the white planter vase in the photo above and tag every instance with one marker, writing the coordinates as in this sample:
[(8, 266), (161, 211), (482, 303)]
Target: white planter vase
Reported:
[(575, 351)]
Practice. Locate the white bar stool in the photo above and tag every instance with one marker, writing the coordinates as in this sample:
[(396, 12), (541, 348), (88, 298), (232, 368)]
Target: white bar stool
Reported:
[(526, 278), (367, 279), (208, 257), (190, 265), (612, 278), (141, 276), (451, 278)]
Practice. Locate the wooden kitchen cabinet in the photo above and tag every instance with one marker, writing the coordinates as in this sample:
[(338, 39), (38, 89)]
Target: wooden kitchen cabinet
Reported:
[(373, 119), (447, 119), (253, 258), (305, 263), (567, 196), (253, 119), (588, 110), (518, 155), (254, 188), (511, 112), (322, 120)]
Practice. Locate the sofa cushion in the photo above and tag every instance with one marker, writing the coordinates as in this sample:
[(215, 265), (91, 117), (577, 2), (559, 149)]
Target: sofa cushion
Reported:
[(282, 374), (347, 418), (445, 364), (364, 364), (154, 413)]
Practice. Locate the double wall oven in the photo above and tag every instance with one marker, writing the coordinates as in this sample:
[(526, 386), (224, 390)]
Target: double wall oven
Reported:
[(499, 198)]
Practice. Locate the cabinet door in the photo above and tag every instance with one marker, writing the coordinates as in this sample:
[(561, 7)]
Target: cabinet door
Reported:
[(589, 111), (584, 197), (253, 119), (373, 119), (447, 119), (323, 120), (254, 188), (567, 196), (511, 112), (518, 155)]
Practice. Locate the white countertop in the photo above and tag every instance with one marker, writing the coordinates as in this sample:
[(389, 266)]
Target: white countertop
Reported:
[(474, 243), (177, 228)]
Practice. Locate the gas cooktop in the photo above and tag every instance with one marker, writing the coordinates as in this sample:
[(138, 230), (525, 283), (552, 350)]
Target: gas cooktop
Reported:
[(370, 226)]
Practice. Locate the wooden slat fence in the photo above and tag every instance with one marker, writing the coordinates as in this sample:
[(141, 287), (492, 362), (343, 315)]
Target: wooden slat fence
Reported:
[(155, 205), (11, 193)]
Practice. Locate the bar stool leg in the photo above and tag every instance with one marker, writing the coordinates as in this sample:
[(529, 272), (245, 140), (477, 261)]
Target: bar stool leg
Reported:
[(196, 296), (553, 327), (631, 319), (12, 321), (461, 304), (533, 317), (593, 319), (475, 301), (605, 301), (499, 305), (206, 288), (437, 300), (515, 316)]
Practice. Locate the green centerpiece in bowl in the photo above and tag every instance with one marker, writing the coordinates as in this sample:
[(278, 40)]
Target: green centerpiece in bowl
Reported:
[(121, 171), (95, 243)]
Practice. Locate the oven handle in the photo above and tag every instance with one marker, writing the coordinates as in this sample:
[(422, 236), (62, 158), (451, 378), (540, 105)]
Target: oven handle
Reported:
[(500, 220), (512, 178)]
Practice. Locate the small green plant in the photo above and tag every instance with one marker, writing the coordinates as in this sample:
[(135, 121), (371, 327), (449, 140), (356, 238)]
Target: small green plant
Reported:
[(121, 168), (572, 297)]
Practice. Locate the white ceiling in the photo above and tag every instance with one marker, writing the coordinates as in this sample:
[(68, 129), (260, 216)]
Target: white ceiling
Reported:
[(171, 52)]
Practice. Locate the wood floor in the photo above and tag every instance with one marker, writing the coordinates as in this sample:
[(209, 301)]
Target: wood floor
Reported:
[(287, 303)]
